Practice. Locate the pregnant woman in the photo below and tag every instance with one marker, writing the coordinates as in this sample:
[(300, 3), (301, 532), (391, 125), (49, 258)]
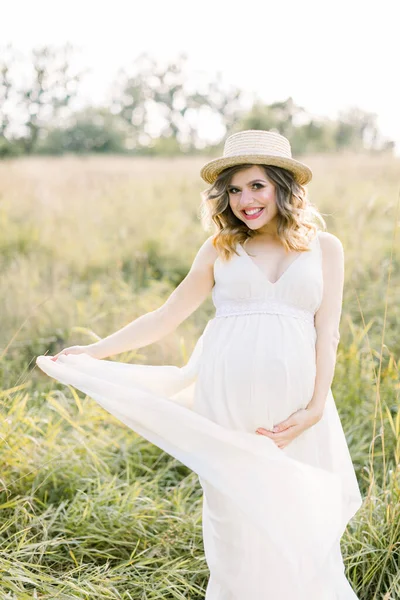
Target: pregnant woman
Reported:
[(252, 411)]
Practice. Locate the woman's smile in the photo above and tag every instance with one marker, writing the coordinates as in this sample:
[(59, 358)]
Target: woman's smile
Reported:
[(252, 213)]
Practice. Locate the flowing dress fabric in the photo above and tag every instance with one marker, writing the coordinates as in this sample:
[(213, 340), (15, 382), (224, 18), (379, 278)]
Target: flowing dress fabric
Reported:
[(272, 518)]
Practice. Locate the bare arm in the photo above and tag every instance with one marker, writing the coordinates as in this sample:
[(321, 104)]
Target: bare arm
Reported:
[(327, 319), (183, 301)]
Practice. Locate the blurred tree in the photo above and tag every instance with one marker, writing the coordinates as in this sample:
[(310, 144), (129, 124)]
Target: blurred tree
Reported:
[(7, 93), (286, 114), (280, 116), (45, 98), (357, 129), (158, 109), (89, 130), (130, 97), (259, 116), (5, 90), (315, 136), (157, 102), (227, 103)]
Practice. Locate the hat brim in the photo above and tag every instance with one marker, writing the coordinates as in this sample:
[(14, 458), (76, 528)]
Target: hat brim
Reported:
[(302, 173)]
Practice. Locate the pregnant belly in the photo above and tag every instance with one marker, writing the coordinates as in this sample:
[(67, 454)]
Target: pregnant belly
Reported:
[(256, 372)]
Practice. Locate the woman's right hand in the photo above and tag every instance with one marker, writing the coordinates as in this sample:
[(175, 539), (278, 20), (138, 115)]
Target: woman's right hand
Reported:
[(90, 350)]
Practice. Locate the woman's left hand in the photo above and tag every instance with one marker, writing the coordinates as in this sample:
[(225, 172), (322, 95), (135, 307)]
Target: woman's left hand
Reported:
[(286, 431)]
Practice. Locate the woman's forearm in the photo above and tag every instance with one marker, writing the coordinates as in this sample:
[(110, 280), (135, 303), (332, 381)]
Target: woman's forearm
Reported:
[(182, 302), (326, 350), (143, 331)]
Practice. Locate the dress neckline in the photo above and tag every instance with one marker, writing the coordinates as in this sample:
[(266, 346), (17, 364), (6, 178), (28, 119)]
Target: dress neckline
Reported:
[(282, 275)]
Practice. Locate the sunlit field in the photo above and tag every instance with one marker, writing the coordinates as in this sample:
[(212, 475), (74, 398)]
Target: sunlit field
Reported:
[(89, 509)]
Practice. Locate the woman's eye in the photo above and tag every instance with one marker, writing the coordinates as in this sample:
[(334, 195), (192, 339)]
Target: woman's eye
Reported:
[(255, 185)]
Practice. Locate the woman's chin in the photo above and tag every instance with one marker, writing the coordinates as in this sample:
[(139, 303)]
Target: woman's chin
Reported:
[(256, 224)]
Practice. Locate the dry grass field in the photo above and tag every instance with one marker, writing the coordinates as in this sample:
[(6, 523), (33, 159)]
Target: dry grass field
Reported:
[(89, 509)]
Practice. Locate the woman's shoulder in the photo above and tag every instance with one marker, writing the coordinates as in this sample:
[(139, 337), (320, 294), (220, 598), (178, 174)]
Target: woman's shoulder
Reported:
[(329, 239), (207, 253), (330, 244), (209, 246)]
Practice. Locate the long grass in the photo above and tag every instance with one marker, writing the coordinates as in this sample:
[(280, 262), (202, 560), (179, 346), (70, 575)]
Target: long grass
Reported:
[(89, 509)]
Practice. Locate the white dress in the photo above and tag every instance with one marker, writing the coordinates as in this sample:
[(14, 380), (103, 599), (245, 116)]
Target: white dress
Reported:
[(272, 518)]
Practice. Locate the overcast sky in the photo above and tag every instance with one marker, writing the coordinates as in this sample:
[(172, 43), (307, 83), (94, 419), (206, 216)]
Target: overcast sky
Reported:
[(326, 55)]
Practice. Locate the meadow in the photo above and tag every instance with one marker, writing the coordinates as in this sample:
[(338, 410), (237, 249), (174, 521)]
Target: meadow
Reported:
[(89, 509)]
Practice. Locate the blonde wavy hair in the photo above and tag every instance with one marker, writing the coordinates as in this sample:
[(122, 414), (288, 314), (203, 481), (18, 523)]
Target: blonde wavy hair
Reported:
[(296, 214)]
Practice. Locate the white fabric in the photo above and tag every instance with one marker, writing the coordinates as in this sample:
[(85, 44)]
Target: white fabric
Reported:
[(272, 518)]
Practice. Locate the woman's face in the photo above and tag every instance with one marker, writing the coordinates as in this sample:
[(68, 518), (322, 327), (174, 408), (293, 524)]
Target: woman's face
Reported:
[(252, 199)]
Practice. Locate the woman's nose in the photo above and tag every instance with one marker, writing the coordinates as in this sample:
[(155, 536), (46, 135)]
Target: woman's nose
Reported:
[(245, 198)]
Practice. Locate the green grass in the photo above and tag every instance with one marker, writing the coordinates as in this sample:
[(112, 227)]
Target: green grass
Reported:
[(89, 509)]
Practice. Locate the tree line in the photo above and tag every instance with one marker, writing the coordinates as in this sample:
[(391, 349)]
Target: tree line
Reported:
[(153, 109)]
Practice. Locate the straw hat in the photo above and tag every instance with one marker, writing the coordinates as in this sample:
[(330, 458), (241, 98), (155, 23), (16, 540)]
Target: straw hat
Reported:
[(260, 148)]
